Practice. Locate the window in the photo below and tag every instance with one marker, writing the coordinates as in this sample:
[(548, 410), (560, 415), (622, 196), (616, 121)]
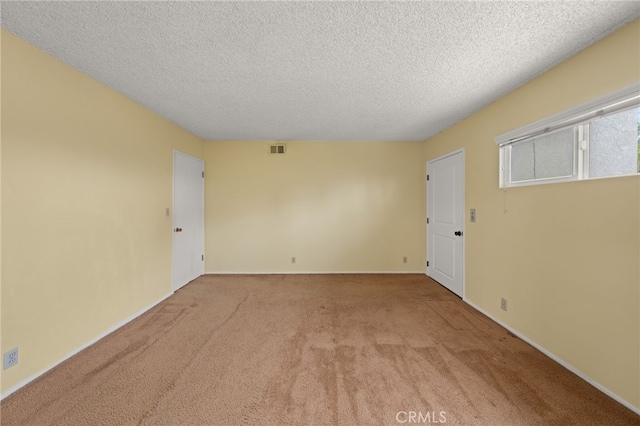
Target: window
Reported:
[(614, 143), (594, 140)]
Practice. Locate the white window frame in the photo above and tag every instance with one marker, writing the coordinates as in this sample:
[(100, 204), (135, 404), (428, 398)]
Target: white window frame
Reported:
[(577, 118)]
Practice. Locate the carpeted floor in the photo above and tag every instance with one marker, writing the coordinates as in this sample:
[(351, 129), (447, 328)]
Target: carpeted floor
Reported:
[(311, 350)]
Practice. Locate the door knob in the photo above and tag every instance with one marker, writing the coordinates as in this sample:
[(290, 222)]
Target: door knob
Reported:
[(458, 233), (178, 230)]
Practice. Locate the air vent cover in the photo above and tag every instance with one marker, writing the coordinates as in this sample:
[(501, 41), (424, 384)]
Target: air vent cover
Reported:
[(277, 149)]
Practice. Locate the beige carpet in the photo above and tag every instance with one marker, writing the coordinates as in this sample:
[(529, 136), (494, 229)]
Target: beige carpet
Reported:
[(311, 350)]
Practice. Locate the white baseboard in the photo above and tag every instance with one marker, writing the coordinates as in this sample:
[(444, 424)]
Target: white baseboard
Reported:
[(311, 272), (560, 361), (512, 330), (80, 348)]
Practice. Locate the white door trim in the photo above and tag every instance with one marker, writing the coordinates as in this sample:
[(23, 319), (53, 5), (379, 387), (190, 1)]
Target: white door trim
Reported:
[(464, 231), (173, 217)]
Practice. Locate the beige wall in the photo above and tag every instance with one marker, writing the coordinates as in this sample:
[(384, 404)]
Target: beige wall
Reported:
[(86, 178), (335, 206), (565, 256)]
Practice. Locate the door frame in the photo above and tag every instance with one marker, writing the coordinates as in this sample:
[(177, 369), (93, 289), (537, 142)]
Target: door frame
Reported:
[(175, 152), (464, 216)]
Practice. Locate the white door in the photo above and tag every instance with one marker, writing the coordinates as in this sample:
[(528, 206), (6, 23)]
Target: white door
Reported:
[(188, 218), (445, 221)]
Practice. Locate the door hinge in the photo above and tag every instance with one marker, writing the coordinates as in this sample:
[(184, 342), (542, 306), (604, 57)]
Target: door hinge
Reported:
[(427, 177), (202, 174), (427, 263), (427, 220), (203, 257)]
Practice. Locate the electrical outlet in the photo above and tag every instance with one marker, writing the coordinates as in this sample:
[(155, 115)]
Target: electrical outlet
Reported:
[(10, 358), (293, 259), (472, 215), (503, 304), (404, 259), (167, 212)]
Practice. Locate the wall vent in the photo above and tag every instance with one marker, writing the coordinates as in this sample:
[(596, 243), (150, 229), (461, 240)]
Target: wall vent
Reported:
[(277, 149)]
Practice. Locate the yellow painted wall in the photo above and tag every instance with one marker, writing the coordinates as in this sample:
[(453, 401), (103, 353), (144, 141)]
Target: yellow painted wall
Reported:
[(335, 206), (565, 256), (86, 178)]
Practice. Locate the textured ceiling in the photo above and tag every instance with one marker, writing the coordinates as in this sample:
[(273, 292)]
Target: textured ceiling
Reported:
[(314, 70)]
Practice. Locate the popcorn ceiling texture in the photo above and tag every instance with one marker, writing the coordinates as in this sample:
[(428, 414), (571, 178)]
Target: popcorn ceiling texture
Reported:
[(314, 70)]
